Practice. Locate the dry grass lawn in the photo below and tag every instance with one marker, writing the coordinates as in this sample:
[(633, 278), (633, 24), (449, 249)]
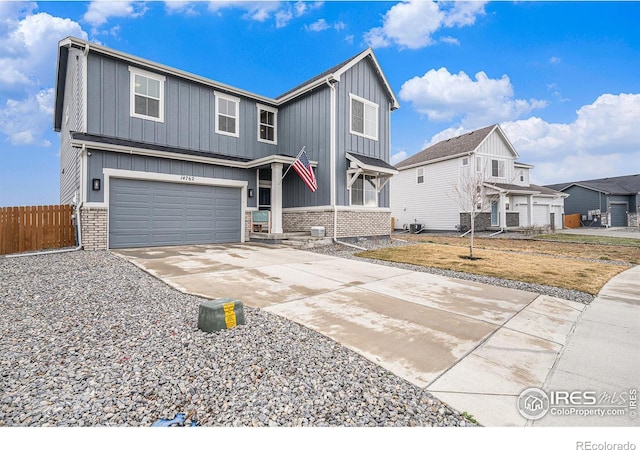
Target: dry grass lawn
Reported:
[(603, 252), (508, 259)]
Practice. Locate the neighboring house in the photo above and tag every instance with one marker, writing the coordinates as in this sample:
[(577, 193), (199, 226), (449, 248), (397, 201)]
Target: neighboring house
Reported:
[(613, 201), (152, 155), (424, 192)]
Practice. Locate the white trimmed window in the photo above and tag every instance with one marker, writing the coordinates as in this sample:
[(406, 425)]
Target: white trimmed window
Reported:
[(147, 95), (420, 175), (364, 117), (364, 191), (478, 163), (497, 168), (227, 114), (465, 161), (267, 124)]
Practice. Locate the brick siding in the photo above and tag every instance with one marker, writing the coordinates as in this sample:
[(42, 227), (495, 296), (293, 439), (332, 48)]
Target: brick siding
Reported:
[(94, 228)]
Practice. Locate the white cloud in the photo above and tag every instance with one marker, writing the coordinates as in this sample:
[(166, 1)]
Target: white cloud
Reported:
[(262, 11), (33, 41), (24, 121), (554, 60), (412, 24), (603, 141), (99, 12), (397, 157), (29, 43), (318, 25), (184, 7), (441, 95)]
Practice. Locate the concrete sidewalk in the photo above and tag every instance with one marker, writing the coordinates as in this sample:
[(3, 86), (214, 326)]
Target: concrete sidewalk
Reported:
[(475, 346), (603, 354), (621, 232)]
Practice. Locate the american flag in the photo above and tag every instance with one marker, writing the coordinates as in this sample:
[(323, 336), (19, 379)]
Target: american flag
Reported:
[(302, 166)]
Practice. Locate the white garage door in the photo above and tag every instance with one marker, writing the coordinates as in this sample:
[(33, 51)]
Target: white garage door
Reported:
[(145, 213), (541, 215)]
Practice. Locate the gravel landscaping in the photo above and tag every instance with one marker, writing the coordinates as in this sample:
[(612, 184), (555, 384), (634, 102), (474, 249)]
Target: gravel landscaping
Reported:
[(372, 244), (87, 339)]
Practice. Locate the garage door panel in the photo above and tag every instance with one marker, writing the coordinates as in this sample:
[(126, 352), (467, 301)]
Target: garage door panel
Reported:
[(618, 215), (151, 213)]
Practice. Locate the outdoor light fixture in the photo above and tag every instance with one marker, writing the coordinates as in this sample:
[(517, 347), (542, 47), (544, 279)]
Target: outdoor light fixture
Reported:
[(96, 184), (250, 192)]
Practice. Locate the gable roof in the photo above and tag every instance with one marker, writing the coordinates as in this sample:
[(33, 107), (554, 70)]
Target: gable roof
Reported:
[(334, 73), (623, 185), (453, 147), (331, 75)]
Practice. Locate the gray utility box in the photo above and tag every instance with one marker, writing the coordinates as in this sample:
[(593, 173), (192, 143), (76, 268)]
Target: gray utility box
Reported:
[(220, 314), (317, 232)]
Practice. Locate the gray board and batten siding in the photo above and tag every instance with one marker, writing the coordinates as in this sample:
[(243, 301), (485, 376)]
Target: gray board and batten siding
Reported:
[(189, 112), (100, 160), (72, 119), (583, 200), (360, 80)]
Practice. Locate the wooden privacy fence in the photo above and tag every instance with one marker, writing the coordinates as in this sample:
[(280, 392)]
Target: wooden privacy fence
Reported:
[(32, 228), (572, 221)]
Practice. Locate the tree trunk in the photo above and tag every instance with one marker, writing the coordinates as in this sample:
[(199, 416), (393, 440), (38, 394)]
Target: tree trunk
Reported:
[(473, 220)]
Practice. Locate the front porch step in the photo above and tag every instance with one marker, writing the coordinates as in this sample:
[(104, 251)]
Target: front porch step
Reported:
[(294, 239)]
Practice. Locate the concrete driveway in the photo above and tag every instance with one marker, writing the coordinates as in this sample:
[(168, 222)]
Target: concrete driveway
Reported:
[(475, 346)]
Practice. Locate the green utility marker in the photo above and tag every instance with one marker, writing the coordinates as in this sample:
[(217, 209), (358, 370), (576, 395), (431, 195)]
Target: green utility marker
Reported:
[(220, 314)]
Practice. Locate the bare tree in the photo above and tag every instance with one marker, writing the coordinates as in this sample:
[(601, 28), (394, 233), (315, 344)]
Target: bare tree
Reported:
[(471, 195)]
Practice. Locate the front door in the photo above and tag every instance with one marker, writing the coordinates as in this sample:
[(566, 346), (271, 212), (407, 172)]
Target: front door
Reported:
[(495, 218), (264, 199)]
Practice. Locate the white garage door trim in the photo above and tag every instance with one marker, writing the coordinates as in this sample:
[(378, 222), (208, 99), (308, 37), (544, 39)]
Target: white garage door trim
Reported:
[(171, 178)]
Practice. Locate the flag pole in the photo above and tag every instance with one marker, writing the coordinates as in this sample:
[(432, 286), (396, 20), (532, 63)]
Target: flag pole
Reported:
[(288, 168)]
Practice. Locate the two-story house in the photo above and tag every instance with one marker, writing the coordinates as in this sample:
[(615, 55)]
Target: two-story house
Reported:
[(152, 155), (429, 190)]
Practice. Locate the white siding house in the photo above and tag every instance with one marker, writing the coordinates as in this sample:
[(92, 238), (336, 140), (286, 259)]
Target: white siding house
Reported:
[(426, 190)]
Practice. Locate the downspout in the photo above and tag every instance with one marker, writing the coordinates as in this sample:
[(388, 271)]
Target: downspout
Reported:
[(332, 158)]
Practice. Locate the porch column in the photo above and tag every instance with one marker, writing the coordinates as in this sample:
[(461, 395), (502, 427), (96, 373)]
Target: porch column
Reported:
[(502, 207), (276, 198), (530, 210)]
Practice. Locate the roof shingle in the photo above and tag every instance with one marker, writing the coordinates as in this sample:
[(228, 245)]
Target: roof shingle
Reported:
[(458, 145)]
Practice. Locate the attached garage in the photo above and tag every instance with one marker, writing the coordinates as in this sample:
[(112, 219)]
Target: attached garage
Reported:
[(146, 213), (618, 214), (541, 216)]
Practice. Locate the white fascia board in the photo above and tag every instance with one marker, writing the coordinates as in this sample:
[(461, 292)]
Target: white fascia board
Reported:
[(433, 161), (306, 88), (192, 158), (522, 165), (159, 154), (369, 168), (165, 69), (506, 139), (369, 52), (274, 159)]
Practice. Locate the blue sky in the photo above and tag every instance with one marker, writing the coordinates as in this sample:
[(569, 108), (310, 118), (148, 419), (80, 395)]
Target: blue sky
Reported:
[(562, 78)]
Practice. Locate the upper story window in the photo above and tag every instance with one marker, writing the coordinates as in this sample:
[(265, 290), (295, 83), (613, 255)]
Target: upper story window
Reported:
[(465, 161), (522, 175), (267, 124), (364, 191), (420, 173), (364, 117), (147, 95), (227, 114), (478, 163), (497, 168)]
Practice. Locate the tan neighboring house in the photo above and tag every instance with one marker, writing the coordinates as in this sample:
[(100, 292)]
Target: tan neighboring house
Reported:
[(424, 191)]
